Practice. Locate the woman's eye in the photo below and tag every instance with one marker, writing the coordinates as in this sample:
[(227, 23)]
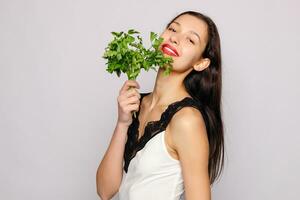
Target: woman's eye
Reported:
[(191, 41), (172, 29)]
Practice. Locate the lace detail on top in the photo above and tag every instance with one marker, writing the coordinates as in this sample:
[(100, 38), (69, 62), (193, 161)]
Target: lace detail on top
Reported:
[(152, 128)]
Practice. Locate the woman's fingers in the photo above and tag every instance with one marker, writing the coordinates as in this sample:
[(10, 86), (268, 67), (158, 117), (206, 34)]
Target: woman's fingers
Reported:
[(129, 94), (128, 84), (128, 101), (132, 92), (125, 101), (132, 107), (129, 104), (133, 100)]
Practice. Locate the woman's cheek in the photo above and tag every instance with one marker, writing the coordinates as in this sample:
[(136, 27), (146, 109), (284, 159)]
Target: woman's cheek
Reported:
[(181, 64)]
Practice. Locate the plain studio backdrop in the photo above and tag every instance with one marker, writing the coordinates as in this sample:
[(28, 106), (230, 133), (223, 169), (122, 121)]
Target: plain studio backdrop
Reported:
[(58, 105)]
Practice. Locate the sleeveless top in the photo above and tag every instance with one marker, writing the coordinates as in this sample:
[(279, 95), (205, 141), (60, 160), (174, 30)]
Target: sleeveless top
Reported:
[(149, 171)]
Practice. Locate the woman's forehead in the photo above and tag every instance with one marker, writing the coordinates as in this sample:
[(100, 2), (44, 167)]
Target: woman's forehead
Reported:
[(192, 23)]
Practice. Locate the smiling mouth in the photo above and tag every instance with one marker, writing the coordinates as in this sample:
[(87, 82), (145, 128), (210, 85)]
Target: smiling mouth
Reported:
[(167, 50)]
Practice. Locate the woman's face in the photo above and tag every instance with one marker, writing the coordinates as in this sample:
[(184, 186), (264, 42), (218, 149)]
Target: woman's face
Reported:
[(186, 36)]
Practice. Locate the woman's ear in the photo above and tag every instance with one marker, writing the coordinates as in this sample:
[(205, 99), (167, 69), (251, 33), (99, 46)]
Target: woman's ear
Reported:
[(202, 64)]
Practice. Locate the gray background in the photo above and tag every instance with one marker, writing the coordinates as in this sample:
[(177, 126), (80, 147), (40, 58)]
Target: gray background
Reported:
[(58, 105)]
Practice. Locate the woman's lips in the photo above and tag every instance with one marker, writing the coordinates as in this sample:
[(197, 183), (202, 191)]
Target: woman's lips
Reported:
[(169, 50)]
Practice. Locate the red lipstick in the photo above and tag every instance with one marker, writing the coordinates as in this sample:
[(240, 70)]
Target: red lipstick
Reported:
[(169, 50)]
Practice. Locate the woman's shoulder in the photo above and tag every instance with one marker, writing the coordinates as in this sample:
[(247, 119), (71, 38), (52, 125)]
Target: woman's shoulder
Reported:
[(187, 116), (187, 119), (186, 126)]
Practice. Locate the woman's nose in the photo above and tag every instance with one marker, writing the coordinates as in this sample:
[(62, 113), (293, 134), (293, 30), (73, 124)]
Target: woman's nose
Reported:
[(174, 39)]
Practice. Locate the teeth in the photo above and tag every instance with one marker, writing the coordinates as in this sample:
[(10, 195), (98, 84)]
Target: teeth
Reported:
[(170, 50)]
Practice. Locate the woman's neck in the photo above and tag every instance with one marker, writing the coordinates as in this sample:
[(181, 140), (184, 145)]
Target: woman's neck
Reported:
[(167, 89)]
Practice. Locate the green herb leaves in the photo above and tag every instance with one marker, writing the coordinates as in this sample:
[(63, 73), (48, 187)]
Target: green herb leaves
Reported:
[(127, 54)]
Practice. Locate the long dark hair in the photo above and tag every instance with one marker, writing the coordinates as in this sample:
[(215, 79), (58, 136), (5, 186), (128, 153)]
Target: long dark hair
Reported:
[(205, 86)]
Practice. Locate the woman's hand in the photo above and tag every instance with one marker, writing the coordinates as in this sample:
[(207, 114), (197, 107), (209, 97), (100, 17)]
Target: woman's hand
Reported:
[(128, 101)]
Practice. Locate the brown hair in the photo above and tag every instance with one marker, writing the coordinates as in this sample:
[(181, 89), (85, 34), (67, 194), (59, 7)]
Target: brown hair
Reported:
[(205, 86)]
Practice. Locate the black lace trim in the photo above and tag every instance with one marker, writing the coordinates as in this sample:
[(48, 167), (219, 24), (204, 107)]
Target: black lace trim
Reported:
[(152, 128)]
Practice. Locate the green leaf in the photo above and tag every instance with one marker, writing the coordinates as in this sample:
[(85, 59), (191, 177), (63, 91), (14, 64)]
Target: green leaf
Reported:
[(152, 36), (117, 34), (119, 56), (132, 31)]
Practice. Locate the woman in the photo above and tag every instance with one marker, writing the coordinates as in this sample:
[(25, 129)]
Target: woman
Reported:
[(174, 147)]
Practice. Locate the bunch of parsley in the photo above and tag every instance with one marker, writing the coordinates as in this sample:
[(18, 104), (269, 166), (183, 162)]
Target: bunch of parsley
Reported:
[(126, 53)]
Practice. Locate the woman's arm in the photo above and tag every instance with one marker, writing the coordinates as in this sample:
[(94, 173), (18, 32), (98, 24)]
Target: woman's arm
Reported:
[(110, 171), (190, 140)]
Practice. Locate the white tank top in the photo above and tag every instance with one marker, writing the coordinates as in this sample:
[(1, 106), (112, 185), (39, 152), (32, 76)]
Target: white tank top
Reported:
[(150, 173)]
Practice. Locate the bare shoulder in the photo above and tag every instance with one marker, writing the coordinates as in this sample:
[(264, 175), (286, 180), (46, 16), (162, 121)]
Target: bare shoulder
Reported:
[(188, 120), (188, 131), (190, 141)]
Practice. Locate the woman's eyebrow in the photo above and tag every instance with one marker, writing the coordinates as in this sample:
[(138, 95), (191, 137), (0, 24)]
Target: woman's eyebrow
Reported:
[(190, 31)]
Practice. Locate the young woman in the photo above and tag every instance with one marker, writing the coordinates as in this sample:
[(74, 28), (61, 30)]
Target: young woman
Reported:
[(174, 147)]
